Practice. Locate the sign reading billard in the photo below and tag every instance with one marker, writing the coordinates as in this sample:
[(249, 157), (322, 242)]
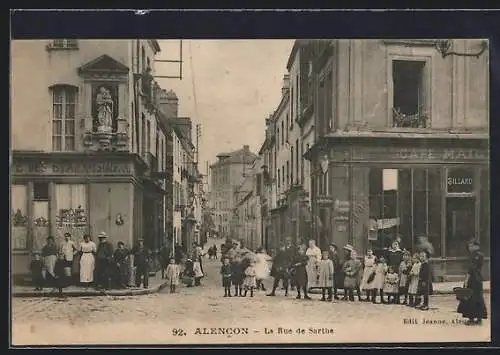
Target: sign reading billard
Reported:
[(72, 168)]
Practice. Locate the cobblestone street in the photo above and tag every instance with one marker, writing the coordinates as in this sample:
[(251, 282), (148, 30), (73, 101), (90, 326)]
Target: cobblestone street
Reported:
[(155, 318)]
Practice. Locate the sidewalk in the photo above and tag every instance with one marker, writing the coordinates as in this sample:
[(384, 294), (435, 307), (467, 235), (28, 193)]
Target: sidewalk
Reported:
[(442, 288), (156, 283)]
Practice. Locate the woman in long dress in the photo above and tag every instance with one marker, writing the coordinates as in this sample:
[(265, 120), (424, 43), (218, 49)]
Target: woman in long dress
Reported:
[(313, 254), (49, 254), (474, 308), (87, 260)]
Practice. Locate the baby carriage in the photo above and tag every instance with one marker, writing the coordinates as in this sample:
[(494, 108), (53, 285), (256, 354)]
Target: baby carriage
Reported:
[(187, 276)]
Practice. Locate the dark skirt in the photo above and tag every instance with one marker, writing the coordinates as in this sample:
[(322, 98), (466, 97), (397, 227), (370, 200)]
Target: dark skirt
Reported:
[(474, 307), (300, 277), (226, 281), (237, 279), (339, 278)]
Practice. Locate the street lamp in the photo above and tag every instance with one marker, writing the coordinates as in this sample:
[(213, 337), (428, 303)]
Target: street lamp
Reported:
[(444, 46)]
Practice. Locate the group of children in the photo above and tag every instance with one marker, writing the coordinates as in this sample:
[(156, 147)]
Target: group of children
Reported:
[(404, 279), (411, 279), (242, 274)]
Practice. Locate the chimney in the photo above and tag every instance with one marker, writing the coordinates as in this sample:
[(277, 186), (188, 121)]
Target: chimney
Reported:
[(169, 103), (286, 84), (246, 147)]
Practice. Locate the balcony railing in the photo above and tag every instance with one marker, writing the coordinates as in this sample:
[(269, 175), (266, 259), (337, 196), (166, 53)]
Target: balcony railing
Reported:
[(403, 120)]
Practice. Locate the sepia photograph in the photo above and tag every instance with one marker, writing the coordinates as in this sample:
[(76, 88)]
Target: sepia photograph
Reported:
[(249, 191)]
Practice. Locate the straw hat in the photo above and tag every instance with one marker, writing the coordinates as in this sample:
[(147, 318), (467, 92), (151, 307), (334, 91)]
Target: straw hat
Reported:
[(349, 247), (102, 235)]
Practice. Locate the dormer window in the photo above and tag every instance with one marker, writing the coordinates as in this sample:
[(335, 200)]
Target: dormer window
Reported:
[(63, 44)]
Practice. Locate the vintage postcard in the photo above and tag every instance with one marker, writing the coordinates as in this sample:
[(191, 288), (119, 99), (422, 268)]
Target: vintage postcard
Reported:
[(250, 191)]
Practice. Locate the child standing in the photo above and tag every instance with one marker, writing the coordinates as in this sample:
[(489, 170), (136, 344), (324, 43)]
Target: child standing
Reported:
[(237, 275), (391, 285), (225, 271), (250, 281), (424, 282), (414, 277), (369, 275), (351, 272), (300, 273), (404, 270), (172, 274), (326, 272), (378, 282), (36, 268)]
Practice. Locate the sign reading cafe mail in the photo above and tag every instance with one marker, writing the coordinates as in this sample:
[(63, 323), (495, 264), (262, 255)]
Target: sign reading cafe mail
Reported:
[(72, 168), (420, 154)]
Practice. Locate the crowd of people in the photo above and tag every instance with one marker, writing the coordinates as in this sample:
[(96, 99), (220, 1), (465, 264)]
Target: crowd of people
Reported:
[(89, 264), (389, 276)]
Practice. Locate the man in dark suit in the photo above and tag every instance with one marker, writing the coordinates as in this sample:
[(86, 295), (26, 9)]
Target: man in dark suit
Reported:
[(104, 262), (142, 257), (279, 270)]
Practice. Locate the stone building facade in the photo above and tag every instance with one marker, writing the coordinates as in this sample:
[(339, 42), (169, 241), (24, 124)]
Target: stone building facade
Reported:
[(89, 153)]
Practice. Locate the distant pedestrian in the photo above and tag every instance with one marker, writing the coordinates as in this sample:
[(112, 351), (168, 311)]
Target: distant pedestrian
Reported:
[(87, 260), (250, 281), (226, 273), (172, 274), (36, 268), (326, 272), (164, 259)]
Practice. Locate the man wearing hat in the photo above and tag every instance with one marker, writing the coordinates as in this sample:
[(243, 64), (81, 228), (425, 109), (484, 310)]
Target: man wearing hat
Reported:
[(142, 257), (104, 262)]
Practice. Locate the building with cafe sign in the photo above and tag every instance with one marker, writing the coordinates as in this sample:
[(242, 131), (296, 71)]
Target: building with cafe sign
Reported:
[(88, 147), (402, 141)]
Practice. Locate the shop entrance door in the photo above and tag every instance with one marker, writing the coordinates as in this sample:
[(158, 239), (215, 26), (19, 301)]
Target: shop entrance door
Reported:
[(460, 224)]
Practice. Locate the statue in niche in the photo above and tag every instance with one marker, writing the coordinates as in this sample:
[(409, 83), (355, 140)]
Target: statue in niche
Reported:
[(104, 103)]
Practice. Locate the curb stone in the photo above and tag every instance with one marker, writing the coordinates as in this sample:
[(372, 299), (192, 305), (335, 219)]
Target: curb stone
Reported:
[(83, 293)]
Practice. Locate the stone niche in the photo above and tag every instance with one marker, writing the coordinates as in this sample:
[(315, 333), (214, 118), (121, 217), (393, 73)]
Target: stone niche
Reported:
[(105, 97)]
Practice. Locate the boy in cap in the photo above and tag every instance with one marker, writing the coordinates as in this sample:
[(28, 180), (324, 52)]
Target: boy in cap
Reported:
[(141, 262)]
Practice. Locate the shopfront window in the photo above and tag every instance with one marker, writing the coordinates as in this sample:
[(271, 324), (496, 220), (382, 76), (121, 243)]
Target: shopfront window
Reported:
[(19, 198), (405, 203), (71, 207), (460, 210)]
